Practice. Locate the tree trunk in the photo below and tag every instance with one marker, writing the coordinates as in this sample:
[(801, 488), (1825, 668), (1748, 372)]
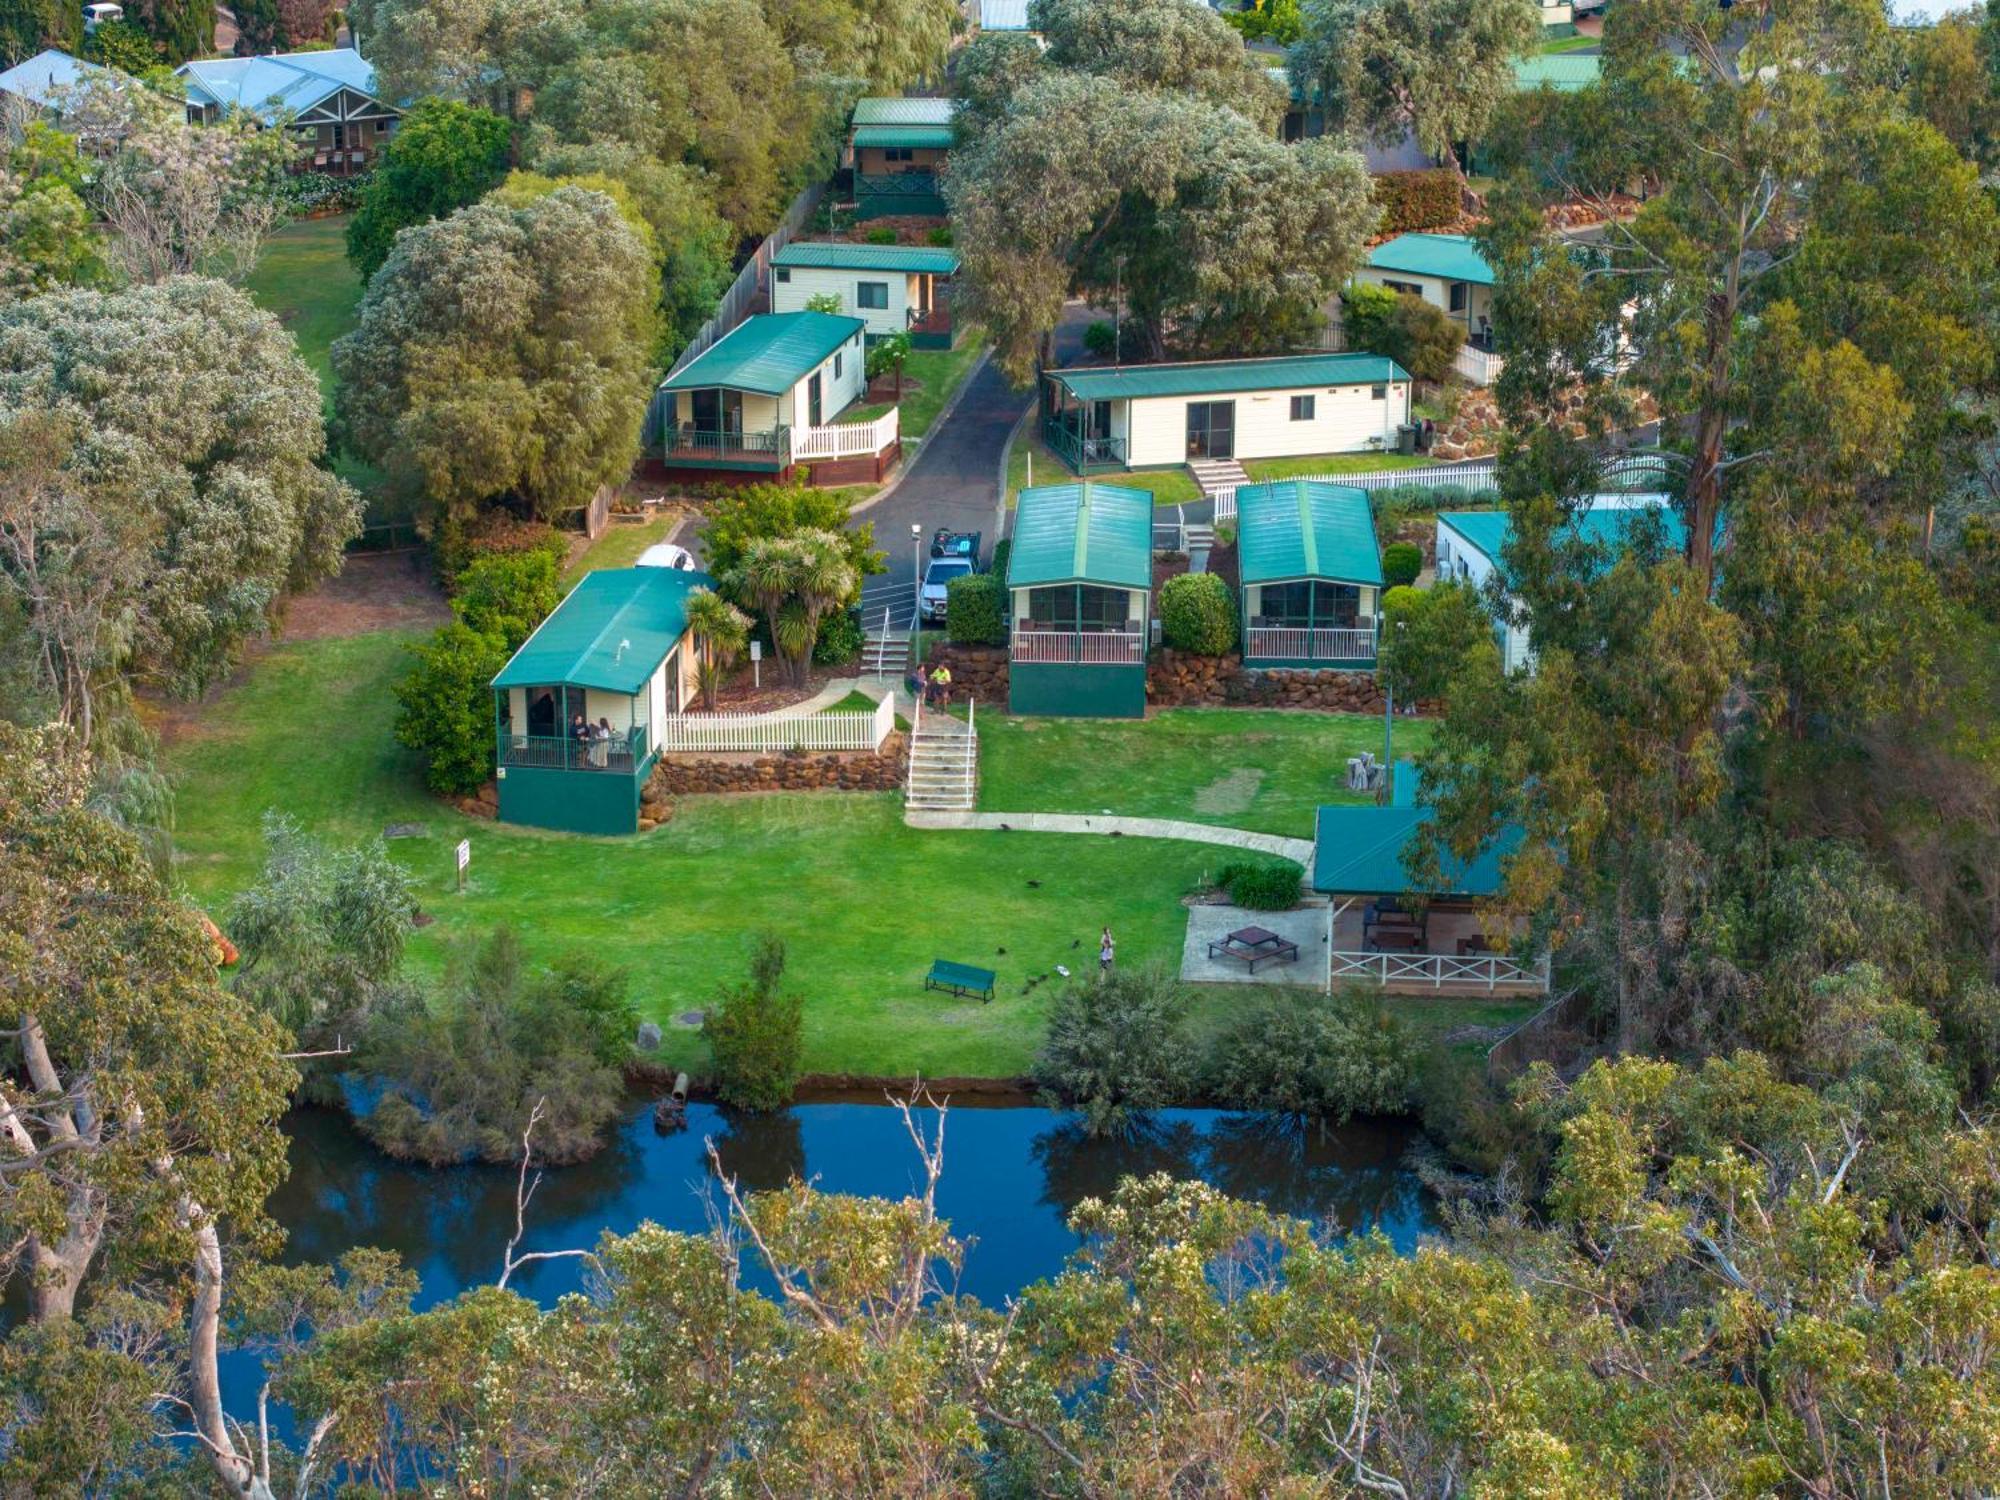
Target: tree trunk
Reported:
[(1704, 487), (239, 1475), (58, 1270)]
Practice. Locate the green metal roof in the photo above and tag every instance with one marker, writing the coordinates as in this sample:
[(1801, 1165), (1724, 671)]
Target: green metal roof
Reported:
[(1449, 257), (611, 633), (1565, 72), (881, 111), (1358, 851), (1205, 377), (1082, 533), (768, 354), (841, 256), (1306, 528), (929, 137), (1608, 525)]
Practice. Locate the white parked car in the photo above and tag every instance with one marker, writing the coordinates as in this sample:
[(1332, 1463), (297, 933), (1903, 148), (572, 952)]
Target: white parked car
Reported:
[(666, 555), (96, 15)]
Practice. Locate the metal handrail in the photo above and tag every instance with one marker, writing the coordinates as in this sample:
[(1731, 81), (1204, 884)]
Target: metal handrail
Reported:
[(1079, 647), (624, 752)]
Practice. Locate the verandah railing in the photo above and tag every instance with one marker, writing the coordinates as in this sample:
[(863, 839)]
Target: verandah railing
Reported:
[(1079, 647), (849, 440), (625, 751), (1438, 970), (1302, 644)]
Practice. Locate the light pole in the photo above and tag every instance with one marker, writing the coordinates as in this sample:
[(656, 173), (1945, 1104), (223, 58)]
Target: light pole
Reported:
[(916, 573), (1389, 716)]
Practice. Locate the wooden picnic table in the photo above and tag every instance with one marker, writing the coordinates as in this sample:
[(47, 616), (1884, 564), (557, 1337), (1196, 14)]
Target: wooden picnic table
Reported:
[(1407, 939), (1253, 945)]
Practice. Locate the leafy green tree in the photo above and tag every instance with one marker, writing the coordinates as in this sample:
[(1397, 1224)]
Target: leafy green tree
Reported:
[(1116, 1047), (474, 51), (321, 933), (1417, 334), (1436, 69), (124, 46), (1217, 235), (721, 635), (1198, 614), (1159, 46), (991, 69), (183, 28), (795, 582), (445, 707), (1315, 1057), (502, 352), (1948, 81), (1430, 635), (738, 519), (756, 1034), (507, 594), (180, 484), (443, 156), (28, 26)]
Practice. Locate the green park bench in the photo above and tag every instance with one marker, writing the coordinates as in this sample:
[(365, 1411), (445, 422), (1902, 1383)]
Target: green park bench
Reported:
[(960, 979)]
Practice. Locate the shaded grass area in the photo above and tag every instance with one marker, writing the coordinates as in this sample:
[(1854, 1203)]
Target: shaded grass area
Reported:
[(1167, 486), (306, 279), (1261, 769), (864, 902), (619, 547), (939, 373)]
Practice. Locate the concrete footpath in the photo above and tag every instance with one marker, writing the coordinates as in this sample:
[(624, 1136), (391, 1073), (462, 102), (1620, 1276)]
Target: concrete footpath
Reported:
[(1299, 851)]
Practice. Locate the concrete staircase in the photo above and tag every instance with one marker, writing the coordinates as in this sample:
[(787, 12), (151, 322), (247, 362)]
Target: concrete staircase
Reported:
[(886, 654), (944, 763), (1215, 474)]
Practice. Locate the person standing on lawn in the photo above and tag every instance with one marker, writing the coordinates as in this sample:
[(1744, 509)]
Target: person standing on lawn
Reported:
[(1106, 951)]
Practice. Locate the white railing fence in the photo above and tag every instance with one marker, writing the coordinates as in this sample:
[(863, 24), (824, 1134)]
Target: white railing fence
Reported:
[(1476, 365), (682, 734), (1438, 970), (1079, 648), (1475, 473), (855, 439), (1300, 644)]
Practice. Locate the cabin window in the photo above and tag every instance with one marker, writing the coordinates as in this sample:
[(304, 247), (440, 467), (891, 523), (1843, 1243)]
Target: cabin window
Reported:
[(783, 273), (836, 364), (1302, 408), (1068, 607), (898, 153), (871, 294), (1294, 606), (1407, 288), (1458, 296), (1380, 393)]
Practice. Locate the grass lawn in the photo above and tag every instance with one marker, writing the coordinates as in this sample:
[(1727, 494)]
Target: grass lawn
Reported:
[(1168, 486), (1577, 43), (305, 278), (1332, 463), (1262, 769), (865, 902), (620, 546), (940, 372)]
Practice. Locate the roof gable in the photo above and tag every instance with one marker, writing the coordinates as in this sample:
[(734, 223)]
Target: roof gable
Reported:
[(768, 353), (1220, 376), (1300, 528), (1082, 533), (904, 111), (280, 81), (611, 632), (1449, 257), (41, 78)]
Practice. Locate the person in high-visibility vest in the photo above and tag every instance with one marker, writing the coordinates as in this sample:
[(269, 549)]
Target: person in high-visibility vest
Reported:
[(941, 684)]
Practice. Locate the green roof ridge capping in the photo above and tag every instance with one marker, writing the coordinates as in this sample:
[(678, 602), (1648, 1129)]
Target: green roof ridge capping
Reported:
[(1307, 532)]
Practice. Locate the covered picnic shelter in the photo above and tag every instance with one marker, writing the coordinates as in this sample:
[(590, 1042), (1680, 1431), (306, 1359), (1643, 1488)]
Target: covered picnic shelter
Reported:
[(1080, 581), (1311, 574)]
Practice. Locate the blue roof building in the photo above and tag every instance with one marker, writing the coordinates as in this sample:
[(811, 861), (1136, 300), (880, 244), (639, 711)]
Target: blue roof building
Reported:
[(327, 99)]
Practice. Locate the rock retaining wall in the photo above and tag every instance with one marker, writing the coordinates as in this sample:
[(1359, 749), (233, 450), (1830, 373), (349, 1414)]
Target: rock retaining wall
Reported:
[(683, 776), (1176, 679), (977, 672)]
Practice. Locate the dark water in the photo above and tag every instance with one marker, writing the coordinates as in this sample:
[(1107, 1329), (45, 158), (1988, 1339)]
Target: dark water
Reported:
[(1011, 1176)]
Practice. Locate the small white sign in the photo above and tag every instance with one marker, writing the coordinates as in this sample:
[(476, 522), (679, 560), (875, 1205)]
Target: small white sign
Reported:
[(756, 651), (464, 854)]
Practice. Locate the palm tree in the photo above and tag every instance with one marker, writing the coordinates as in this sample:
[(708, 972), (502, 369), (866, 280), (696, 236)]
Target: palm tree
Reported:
[(796, 582), (721, 631)]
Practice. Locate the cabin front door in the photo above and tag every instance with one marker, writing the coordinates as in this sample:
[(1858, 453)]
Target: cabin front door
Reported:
[(812, 399), (1211, 429)]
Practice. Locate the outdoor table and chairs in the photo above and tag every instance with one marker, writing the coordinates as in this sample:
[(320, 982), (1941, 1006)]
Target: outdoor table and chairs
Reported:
[(1254, 945)]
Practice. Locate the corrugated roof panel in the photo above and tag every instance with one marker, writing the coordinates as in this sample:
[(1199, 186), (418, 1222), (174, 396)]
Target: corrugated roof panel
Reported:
[(1358, 851), (904, 111), (1449, 257), (1082, 533), (40, 78), (294, 81), (1204, 377), (841, 256), (1607, 524), (915, 137), (1304, 528), (769, 353), (1565, 72), (1003, 15), (611, 633)]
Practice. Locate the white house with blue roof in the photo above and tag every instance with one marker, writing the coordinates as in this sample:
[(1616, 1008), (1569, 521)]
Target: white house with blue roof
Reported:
[(328, 99), (1144, 416)]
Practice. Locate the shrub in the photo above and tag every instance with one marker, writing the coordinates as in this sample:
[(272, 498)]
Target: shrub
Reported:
[(825, 302), (1474, 1120), (1279, 21), (1198, 614), (739, 517), (1260, 886), (446, 711), (888, 353), (1314, 1056), (939, 235), (465, 1069), (321, 192), (975, 611), (882, 236), (1428, 635), (455, 543), (1002, 551), (1401, 563), (507, 594), (1101, 339), (1417, 200), (1420, 337), (840, 638), (1115, 1047), (756, 1035)]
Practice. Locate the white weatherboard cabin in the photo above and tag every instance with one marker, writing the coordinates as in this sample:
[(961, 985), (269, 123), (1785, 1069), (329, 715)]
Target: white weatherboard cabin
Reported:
[(890, 288), (1471, 545), (1144, 416), (1446, 270)]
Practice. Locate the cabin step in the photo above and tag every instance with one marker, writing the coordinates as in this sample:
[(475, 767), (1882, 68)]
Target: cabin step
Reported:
[(1215, 475)]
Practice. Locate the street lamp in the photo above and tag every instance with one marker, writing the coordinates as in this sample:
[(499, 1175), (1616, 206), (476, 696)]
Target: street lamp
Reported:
[(1389, 715), (916, 573)]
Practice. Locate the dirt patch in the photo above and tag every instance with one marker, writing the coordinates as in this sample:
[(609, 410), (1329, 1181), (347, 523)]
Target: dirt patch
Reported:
[(1232, 793), (373, 591)]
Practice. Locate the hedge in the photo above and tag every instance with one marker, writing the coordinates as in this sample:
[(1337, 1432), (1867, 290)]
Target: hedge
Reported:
[(1198, 614), (1261, 887), (1417, 200), (975, 612), (1401, 563)]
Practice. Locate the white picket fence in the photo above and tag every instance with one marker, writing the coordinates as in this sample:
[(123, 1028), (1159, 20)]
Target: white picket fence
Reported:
[(1476, 365), (1473, 474), (853, 440), (717, 734)]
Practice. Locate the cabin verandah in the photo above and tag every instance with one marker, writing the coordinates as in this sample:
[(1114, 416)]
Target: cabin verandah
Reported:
[(1079, 581)]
